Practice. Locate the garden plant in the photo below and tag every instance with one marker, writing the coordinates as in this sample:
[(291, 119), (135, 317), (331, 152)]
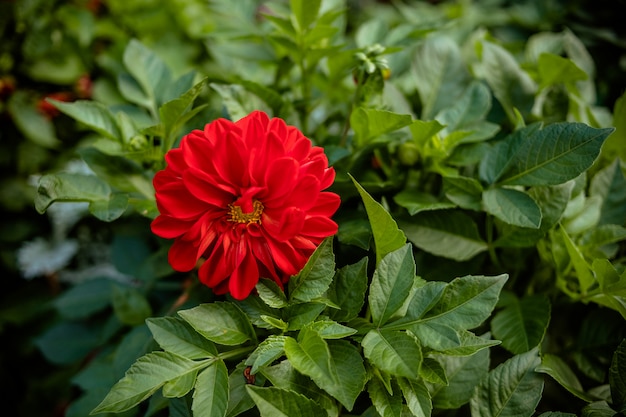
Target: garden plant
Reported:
[(313, 207)]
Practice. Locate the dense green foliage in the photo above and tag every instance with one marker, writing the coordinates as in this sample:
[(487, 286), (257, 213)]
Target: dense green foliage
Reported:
[(479, 268)]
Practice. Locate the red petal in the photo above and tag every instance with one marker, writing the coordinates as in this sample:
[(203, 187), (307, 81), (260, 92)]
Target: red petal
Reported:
[(175, 200), (319, 226), (287, 259), (326, 204), (207, 189), (280, 179), (244, 278), (169, 227), (182, 255)]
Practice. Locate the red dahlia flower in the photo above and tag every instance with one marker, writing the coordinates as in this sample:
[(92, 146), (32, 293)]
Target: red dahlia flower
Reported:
[(247, 197)]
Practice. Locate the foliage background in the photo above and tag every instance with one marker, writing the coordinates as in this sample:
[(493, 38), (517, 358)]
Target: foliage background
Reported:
[(47, 46)]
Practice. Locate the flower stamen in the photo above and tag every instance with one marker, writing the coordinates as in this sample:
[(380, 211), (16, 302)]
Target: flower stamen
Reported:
[(238, 216)]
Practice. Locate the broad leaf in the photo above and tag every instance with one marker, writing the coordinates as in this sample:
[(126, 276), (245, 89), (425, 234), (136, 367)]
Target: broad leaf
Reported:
[(391, 283), (148, 70), (387, 236), (144, 378), (347, 290), (276, 402), (394, 352), (562, 373), (610, 184), (513, 388), (447, 233), (305, 12), (313, 280), (553, 155), (175, 335), (416, 396), (210, 398), (368, 124), (522, 324), (387, 404), (93, 114), (271, 293), (220, 322), (267, 352), (70, 187), (512, 207), (466, 302), (339, 371)]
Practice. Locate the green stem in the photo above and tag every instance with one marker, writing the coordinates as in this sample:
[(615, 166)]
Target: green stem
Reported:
[(355, 99), (236, 353)]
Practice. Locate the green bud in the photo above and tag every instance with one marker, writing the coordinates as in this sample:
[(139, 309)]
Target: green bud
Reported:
[(408, 154)]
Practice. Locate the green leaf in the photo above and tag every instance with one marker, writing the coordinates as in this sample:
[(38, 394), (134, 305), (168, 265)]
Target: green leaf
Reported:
[(347, 290), (387, 236), (576, 258), (562, 373), (598, 409), (144, 378), (267, 352), (416, 202), (84, 299), (554, 69), (276, 402), (329, 329), (469, 344), (180, 386), (432, 371), (305, 12), (301, 315), (386, 403), (111, 209), (610, 184), (69, 187), (465, 192), (93, 114), (464, 374), (512, 86), (210, 398), (271, 293), (130, 306), (617, 378), (440, 74), (369, 124), (239, 400), (313, 280), (238, 101), (335, 366), (32, 124), (416, 396), (67, 343), (174, 335), (522, 324), (513, 388), (394, 352), (220, 322), (467, 302), (512, 206), (175, 113), (391, 283), (447, 233), (553, 155), (148, 70), (119, 172)]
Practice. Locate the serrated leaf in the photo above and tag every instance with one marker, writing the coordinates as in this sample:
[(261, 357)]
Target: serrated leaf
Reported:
[(329, 329), (554, 69), (180, 386), (394, 352), (432, 371), (512, 206), (276, 402), (447, 233), (334, 366), (466, 302), (513, 388), (387, 236), (313, 280), (347, 290), (144, 378), (563, 374), (392, 280), (301, 315), (220, 322), (175, 335), (553, 155), (522, 324), (417, 397), (387, 404), (416, 202), (267, 352), (271, 293), (464, 374), (210, 398)]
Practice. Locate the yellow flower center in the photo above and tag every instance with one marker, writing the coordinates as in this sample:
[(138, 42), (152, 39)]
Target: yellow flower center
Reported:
[(238, 216)]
